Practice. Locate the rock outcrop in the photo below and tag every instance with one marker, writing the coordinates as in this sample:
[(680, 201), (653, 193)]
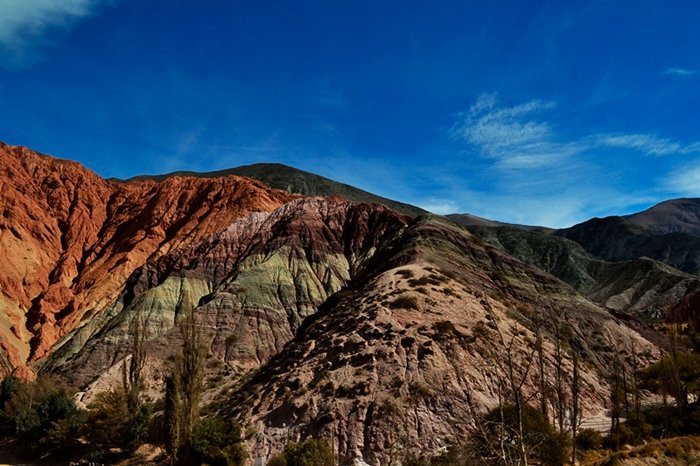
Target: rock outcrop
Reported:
[(70, 239), (251, 285), (400, 361)]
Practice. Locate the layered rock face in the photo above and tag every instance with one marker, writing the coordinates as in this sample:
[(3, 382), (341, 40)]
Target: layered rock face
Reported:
[(306, 302), (400, 361), (251, 285), (70, 239)]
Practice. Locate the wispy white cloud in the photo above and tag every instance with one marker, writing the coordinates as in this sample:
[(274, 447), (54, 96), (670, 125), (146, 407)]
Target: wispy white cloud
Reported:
[(530, 172), (515, 138), (677, 71), (647, 144), (439, 206), (512, 135), (684, 180), (22, 22)]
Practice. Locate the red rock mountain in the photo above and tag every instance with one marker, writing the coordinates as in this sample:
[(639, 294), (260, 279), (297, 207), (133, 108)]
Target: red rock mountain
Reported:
[(69, 239)]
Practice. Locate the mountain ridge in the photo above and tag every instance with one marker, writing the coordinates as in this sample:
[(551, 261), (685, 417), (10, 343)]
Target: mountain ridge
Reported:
[(293, 180), (681, 215)]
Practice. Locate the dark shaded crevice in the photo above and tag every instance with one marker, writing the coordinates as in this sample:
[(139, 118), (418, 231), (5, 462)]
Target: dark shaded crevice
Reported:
[(109, 208)]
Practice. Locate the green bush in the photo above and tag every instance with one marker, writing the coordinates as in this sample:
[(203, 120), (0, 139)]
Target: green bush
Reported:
[(311, 452), (404, 302), (111, 424), (138, 427), (9, 386), (217, 442), (589, 439), (42, 414), (108, 418), (659, 377)]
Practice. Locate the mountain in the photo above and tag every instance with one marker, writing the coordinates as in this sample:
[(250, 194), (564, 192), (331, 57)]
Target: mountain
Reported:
[(399, 361), (643, 263), (296, 181), (320, 315), (619, 239), (668, 232), (252, 284), (70, 239), (673, 216), (469, 220), (639, 286), (348, 321)]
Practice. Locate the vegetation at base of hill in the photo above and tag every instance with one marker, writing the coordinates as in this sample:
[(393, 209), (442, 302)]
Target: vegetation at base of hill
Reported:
[(494, 443), (311, 452), (217, 442), (41, 414), (589, 439), (44, 416)]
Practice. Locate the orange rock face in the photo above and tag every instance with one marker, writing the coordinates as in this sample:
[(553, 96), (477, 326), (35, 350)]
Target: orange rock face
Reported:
[(69, 239)]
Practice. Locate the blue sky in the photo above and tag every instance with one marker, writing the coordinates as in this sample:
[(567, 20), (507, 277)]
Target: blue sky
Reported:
[(539, 112)]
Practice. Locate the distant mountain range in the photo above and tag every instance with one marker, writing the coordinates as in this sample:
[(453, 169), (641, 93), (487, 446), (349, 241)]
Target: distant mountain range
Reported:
[(325, 310), (622, 238), (614, 260)]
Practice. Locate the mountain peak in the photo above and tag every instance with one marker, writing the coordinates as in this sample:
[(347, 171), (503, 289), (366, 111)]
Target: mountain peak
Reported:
[(672, 216)]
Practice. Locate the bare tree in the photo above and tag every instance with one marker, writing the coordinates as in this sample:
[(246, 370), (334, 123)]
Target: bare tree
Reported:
[(189, 372), (636, 392), (677, 387), (543, 379), (514, 379), (492, 452), (172, 416), (133, 371), (616, 398), (560, 401), (575, 412)]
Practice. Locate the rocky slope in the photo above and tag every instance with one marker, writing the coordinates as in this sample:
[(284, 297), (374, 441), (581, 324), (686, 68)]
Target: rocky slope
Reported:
[(643, 287), (321, 316), (252, 285), (400, 360), (70, 239), (673, 216), (312, 298)]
